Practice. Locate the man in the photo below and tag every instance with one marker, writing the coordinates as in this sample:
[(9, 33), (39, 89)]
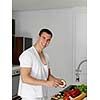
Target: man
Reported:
[(35, 70)]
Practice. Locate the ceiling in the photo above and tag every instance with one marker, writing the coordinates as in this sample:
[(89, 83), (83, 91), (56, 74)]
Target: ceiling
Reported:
[(19, 5)]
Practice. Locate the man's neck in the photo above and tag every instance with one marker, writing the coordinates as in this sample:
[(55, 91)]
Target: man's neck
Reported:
[(38, 48)]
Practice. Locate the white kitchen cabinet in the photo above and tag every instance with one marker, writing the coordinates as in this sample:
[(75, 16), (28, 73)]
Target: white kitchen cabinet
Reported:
[(80, 44)]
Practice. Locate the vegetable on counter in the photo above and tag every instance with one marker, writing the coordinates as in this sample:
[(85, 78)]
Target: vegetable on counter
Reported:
[(75, 92), (72, 92), (58, 96), (66, 98), (82, 88)]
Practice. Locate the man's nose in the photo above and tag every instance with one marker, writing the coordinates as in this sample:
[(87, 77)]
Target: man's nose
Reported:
[(45, 41)]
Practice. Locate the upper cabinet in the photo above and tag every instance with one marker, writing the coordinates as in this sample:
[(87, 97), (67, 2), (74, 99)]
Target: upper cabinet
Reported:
[(19, 45)]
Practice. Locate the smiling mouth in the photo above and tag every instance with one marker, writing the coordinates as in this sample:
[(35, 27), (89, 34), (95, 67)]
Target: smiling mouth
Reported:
[(42, 46)]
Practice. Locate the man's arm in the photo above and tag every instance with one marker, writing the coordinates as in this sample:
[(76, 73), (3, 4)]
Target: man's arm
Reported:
[(27, 78), (50, 76)]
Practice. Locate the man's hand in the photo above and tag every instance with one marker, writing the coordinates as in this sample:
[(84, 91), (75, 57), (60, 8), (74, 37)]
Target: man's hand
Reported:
[(54, 83)]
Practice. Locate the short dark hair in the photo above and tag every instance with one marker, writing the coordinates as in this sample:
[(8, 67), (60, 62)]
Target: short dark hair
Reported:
[(45, 30)]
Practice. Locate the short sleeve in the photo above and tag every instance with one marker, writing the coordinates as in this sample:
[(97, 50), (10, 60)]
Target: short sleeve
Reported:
[(25, 59)]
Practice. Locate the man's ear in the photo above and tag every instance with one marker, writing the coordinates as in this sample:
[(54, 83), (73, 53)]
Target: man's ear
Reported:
[(38, 37)]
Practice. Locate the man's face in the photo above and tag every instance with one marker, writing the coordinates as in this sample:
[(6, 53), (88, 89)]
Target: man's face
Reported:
[(44, 40)]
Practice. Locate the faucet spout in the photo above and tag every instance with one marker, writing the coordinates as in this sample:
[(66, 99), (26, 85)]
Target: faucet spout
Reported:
[(81, 63)]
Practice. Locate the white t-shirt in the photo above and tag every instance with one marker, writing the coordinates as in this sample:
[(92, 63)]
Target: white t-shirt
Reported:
[(31, 59)]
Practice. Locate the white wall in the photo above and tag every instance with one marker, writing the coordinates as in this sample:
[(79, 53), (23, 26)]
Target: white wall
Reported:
[(80, 44), (60, 21)]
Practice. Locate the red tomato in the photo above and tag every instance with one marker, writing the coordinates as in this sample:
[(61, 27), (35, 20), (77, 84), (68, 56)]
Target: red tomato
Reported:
[(66, 98)]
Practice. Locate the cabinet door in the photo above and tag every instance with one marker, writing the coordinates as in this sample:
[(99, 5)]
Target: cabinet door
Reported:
[(28, 43), (17, 50)]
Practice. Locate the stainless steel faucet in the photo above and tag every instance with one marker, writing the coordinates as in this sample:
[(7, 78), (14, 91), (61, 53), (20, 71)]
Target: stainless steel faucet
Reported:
[(78, 70)]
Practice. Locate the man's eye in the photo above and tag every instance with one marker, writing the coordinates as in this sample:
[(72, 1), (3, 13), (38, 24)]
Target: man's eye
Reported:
[(43, 37), (48, 40)]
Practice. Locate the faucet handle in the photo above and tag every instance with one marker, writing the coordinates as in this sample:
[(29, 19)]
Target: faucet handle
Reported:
[(77, 79)]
